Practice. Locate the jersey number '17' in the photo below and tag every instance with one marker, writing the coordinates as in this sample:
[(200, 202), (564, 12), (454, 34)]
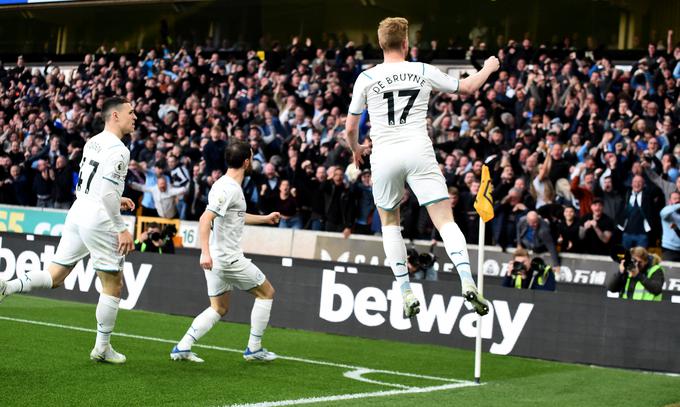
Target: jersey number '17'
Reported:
[(410, 94), (93, 165)]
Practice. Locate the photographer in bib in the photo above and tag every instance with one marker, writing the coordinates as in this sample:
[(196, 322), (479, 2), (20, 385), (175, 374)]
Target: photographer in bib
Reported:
[(640, 276), (156, 240), (523, 272)]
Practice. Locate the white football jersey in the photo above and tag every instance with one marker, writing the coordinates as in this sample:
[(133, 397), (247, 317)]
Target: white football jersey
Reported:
[(226, 200), (105, 160), (397, 95)]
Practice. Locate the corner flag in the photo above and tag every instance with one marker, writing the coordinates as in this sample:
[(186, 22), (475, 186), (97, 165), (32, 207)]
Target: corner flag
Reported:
[(484, 207), (484, 202)]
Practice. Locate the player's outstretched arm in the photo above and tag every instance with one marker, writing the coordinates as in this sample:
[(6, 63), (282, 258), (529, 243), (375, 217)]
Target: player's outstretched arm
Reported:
[(473, 82), (271, 219)]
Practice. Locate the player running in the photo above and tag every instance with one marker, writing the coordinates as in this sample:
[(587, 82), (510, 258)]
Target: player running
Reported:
[(397, 94), (95, 226), (223, 261)]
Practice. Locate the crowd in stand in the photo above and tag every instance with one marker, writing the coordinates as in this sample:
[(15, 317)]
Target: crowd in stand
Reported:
[(583, 154)]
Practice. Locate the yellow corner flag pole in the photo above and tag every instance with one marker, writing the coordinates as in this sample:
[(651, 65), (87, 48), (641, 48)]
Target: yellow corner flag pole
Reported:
[(484, 207)]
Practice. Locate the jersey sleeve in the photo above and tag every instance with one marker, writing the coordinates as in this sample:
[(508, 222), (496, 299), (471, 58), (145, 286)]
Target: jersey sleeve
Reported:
[(116, 166), (218, 200), (439, 80), (358, 102)]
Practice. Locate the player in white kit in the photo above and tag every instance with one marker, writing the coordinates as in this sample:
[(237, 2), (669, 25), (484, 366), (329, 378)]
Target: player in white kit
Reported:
[(397, 94), (223, 262), (95, 226)]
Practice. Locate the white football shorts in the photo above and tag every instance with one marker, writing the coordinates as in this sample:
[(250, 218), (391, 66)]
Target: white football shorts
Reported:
[(414, 163), (242, 275), (78, 241)]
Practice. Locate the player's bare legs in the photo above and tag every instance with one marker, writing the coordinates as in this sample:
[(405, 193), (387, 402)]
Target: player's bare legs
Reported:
[(456, 248), (395, 252), (52, 278), (219, 306)]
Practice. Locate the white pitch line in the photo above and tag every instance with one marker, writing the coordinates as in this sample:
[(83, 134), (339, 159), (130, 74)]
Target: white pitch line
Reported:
[(363, 369), (359, 376), (354, 396)]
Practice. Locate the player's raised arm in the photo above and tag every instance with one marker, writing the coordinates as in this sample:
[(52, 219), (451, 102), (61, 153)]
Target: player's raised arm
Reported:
[(475, 81)]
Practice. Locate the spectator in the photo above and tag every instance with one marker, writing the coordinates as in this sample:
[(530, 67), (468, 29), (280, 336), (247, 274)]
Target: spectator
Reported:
[(596, 230), (583, 190), (151, 181), (213, 151), (642, 280), (63, 183), (43, 185), (363, 196), (164, 197), (19, 186), (338, 205), (661, 181), (179, 178), (612, 200), (135, 175), (507, 214), (533, 233), (568, 232), (286, 205), (670, 219), (313, 185), (269, 188), (636, 217)]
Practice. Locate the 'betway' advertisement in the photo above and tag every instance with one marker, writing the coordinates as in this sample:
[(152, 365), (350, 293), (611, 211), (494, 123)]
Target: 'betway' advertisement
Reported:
[(583, 326)]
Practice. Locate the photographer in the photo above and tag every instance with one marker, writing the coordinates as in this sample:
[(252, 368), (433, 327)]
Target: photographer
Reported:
[(155, 240), (421, 266), (526, 273), (640, 276)]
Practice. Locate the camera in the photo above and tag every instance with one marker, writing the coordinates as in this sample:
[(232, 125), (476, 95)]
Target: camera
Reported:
[(420, 260), (168, 232), (619, 253), (628, 263), (517, 268)]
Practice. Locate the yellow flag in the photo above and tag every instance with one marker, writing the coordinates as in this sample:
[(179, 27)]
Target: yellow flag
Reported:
[(484, 201), (260, 54)]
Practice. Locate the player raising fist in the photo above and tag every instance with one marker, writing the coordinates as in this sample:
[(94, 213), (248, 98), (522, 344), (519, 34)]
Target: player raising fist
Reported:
[(396, 93), (225, 266)]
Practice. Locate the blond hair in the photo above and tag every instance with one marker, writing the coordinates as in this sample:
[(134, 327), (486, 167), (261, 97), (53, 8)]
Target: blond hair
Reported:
[(392, 32), (520, 252), (643, 253)]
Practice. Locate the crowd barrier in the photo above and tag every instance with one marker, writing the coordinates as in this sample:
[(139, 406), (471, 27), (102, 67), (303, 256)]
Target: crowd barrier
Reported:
[(578, 323)]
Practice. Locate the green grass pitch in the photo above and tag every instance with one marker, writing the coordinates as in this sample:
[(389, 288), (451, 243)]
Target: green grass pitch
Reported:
[(45, 347)]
